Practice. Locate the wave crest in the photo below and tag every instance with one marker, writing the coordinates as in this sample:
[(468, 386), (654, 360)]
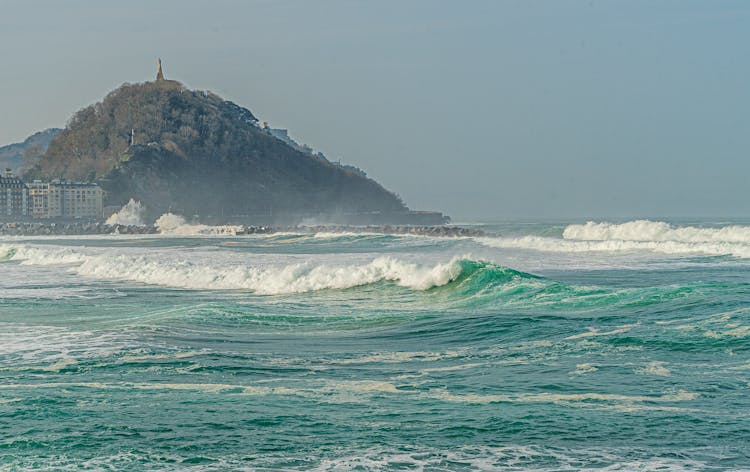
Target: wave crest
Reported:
[(646, 230), (640, 235), (272, 279), (539, 243)]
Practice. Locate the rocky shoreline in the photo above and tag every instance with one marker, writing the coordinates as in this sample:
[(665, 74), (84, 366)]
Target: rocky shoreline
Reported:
[(70, 229), (437, 231), (91, 228)]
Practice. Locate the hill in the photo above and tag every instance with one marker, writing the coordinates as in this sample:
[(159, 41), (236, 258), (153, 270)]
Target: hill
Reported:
[(19, 157), (198, 154)]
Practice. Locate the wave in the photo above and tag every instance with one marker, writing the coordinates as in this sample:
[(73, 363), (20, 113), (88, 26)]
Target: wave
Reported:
[(460, 282), (646, 230), (56, 346), (640, 235), (272, 279), (461, 276), (30, 255), (508, 457), (547, 244), (131, 214), (7, 253), (175, 225), (512, 457)]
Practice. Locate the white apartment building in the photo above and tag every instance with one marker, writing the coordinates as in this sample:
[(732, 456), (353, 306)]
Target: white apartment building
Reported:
[(66, 199), (39, 196)]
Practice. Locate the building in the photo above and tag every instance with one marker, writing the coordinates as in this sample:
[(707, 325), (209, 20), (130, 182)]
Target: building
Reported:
[(279, 133), (283, 135), (64, 199), (39, 197), (74, 200), (14, 196)]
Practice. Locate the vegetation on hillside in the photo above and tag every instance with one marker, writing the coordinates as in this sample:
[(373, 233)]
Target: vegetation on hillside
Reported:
[(199, 154)]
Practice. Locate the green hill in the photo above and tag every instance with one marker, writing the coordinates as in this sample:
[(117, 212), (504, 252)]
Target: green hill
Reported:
[(195, 153)]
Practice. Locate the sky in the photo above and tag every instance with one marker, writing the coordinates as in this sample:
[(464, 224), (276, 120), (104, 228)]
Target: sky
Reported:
[(492, 109)]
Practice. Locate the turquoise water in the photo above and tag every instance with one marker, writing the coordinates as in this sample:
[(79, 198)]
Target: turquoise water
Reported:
[(550, 347)]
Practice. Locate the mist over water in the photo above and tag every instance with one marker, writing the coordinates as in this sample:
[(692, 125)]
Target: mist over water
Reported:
[(616, 346)]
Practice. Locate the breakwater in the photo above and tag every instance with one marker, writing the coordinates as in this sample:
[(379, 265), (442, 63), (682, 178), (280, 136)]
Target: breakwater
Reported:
[(439, 231), (73, 228), (89, 228)]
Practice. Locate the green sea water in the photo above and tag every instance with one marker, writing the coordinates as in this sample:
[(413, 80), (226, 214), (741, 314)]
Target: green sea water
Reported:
[(543, 347)]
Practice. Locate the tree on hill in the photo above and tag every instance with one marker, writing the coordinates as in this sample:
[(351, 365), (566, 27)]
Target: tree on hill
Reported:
[(198, 153)]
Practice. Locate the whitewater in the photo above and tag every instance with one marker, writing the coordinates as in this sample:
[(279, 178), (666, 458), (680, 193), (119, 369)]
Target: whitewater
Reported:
[(600, 345)]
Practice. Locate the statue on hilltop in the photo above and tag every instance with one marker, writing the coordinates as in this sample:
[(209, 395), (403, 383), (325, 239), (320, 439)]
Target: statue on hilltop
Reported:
[(160, 74)]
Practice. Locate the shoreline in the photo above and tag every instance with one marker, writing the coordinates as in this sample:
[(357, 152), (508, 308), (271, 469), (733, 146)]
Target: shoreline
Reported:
[(90, 228)]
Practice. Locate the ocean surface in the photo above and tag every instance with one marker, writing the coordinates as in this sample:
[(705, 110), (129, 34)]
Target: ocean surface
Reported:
[(588, 346)]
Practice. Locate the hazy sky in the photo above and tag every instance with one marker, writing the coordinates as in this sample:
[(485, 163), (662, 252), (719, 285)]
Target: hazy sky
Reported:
[(487, 109)]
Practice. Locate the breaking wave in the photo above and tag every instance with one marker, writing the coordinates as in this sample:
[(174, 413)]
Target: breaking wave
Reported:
[(131, 214), (645, 230), (271, 279), (641, 235), (458, 282), (540, 243), (175, 225)]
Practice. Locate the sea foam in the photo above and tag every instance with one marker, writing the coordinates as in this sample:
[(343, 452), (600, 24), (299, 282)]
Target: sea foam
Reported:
[(640, 235), (547, 244), (175, 225), (646, 230), (261, 279)]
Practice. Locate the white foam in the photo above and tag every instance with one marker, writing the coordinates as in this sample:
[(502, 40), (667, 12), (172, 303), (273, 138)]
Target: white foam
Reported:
[(343, 234), (60, 365), (131, 214), (500, 458), (51, 293), (159, 357), (55, 346), (175, 225), (593, 332), (262, 279), (654, 368), (510, 458), (645, 230), (557, 397), (32, 255), (586, 368), (557, 245), (735, 332), (397, 357), (360, 386)]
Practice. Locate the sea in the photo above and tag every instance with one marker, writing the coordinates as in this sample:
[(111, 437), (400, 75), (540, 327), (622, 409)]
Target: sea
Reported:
[(553, 346)]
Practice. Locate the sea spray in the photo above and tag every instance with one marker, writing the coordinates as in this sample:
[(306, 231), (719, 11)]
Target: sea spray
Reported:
[(131, 214), (175, 225)]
